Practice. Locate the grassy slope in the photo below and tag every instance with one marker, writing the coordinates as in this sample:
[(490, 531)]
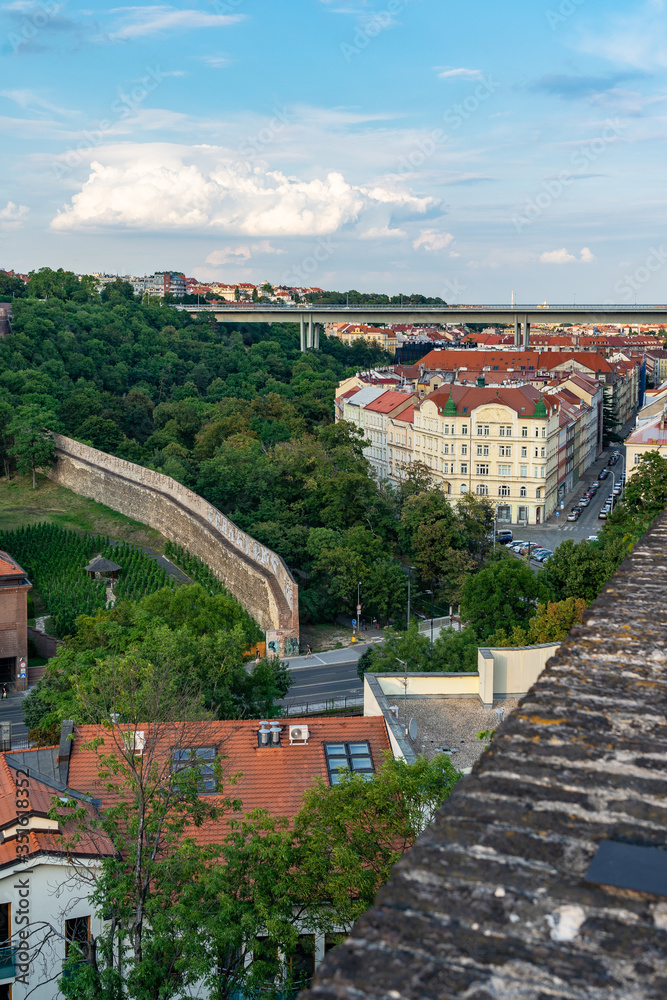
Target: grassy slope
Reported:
[(21, 505)]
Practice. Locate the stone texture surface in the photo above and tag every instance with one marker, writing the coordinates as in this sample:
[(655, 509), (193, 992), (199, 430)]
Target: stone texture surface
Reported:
[(255, 575), (493, 903)]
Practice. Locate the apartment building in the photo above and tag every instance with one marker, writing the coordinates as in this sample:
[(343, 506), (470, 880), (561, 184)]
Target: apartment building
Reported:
[(399, 446), (371, 409), (498, 442)]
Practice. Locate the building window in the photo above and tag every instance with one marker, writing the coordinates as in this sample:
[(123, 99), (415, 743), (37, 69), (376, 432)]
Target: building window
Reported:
[(464, 428), (523, 514), (505, 451), (482, 490), (501, 431), (504, 513), (537, 453), (445, 449), (504, 470), (202, 758), (538, 493), (354, 757), (464, 488), (537, 432), (464, 451), (508, 431), (481, 469), (486, 430), (483, 429), (77, 933), (503, 491), (445, 468), (523, 471), (543, 452), (483, 449), (638, 459), (524, 453), (464, 468), (522, 491), (445, 429), (524, 432), (544, 432)]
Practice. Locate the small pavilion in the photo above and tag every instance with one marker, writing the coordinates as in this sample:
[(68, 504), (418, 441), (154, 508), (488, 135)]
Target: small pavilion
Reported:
[(103, 569)]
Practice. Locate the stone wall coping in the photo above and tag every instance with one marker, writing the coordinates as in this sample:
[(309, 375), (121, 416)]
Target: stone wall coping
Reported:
[(494, 902)]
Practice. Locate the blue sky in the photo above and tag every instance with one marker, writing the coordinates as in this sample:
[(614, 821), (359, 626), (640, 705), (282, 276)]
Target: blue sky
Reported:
[(463, 150)]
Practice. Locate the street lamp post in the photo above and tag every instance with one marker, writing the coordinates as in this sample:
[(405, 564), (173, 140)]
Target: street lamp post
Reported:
[(410, 569), (431, 593)]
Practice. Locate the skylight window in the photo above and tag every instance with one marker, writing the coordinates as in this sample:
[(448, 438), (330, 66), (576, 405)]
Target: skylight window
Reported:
[(355, 757), (203, 758)]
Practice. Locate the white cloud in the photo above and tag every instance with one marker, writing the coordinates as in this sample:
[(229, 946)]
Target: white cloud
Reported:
[(215, 62), (462, 72), (238, 255), (383, 233), (431, 240), (142, 21), (160, 187), (563, 257), (12, 216)]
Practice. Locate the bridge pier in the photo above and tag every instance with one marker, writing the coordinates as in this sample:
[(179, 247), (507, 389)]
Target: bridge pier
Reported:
[(309, 342), (526, 334), (303, 334), (517, 333), (316, 340)]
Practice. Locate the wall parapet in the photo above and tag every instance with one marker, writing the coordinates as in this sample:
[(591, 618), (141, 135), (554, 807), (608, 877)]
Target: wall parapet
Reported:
[(499, 898), (254, 574)]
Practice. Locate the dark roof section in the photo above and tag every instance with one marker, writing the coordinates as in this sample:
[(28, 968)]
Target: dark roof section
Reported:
[(496, 902), (101, 565)]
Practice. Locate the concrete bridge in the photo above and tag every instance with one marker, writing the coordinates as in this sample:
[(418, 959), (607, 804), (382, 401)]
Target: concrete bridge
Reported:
[(311, 317)]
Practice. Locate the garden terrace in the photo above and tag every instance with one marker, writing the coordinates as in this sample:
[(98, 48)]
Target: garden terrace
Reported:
[(499, 900)]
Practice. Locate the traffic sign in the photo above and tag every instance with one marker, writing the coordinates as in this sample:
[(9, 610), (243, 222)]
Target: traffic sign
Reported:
[(358, 610)]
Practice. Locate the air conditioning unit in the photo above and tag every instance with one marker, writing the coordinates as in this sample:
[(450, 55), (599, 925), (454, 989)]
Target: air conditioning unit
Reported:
[(298, 734)]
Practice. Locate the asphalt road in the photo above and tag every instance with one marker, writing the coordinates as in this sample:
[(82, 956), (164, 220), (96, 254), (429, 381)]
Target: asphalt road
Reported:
[(557, 530), (323, 683)]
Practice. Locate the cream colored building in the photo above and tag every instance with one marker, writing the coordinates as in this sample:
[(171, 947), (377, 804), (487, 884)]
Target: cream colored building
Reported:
[(651, 436), (497, 442)]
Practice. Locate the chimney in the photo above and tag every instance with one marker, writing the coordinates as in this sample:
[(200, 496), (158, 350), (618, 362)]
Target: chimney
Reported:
[(65, 749), (263, 735)]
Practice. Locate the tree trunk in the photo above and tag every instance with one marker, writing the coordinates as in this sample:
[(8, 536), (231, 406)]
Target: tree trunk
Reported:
[(34, 484)]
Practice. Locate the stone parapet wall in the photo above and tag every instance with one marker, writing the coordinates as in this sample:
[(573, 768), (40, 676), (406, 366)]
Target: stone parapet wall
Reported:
[(497, 901), (254, 574)]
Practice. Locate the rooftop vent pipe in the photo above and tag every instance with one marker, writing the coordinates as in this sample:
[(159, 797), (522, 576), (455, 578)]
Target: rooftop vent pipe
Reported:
[(263, 735)]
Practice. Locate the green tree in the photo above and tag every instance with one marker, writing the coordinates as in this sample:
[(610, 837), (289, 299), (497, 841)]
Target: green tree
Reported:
[(501, 595), (550, 623), (32, 445)]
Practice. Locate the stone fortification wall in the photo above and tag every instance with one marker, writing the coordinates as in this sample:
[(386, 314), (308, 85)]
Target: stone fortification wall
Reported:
[(255, 575)]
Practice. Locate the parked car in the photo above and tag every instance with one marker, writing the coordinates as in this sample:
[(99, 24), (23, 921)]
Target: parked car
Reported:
[(543, 555), (592, 538), (574, 514), (515, 546), (504, 536), (595, 486), (584, 501), (603, 514), (528, 548), (618, 490), (603, 474), (613, 460)]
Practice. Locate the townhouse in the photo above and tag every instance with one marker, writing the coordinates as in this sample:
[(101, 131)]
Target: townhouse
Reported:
[(651, 435), (371, 408)]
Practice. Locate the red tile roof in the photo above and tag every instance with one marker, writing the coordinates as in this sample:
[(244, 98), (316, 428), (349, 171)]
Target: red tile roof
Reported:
[(9, 566), (271, 778), (388, 401), (408, 415)]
